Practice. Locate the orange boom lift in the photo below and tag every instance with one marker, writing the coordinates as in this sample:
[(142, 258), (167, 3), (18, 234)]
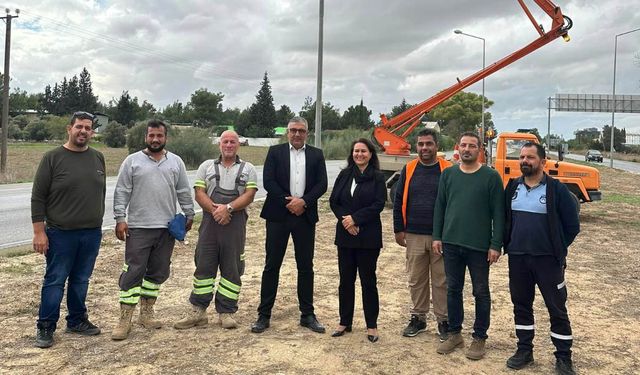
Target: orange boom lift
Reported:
[(392, 133)]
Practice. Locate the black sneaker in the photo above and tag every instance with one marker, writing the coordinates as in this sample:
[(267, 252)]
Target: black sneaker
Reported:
[(564, 366), (416, 325), (44, 337), (520, 359), (85, 328), (443, 331)]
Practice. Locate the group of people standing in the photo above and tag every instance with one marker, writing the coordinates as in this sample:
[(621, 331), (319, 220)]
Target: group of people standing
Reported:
[(449, 218)]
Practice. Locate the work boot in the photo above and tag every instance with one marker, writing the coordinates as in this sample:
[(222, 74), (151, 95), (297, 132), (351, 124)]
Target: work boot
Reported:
[(416, 325), (520, 359), (476, 349), (227, 321), (452, 342), (44, 337), (196, 317), (146, 314), (123, 328), (443, 330), (564, 366)]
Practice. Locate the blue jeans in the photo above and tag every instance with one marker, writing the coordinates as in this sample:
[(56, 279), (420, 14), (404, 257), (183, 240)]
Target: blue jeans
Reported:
[(71, 255), (456, 260)]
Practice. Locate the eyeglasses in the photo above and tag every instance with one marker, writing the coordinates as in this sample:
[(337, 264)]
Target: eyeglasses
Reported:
[(297, 131)]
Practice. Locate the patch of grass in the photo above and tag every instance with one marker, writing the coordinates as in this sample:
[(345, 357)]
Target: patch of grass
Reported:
[(18, 269), (253, 154), (622, 198), (23, 159), (17, 251)]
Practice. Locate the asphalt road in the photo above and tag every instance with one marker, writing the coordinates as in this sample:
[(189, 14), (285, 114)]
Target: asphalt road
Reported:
[(15, 206), (628, 166)]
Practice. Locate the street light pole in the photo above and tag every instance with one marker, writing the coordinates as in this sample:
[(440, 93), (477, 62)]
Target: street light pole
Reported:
[(483, 66), (318, 137), (613, 111)]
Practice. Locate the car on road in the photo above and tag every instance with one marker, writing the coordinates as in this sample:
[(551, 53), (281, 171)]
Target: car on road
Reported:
[(593, 155)]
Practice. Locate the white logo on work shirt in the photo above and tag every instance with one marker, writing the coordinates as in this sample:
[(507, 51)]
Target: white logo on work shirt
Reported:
[(543, 199)]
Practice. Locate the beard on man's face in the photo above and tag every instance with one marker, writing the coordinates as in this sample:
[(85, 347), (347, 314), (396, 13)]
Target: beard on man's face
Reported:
[(528, 169), (155, 147)]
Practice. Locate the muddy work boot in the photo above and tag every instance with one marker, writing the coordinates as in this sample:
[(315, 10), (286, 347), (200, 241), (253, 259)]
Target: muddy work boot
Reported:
[(227, 321), (476, 349), (147, 314), (452, 342), (121, 331), (196, 317)]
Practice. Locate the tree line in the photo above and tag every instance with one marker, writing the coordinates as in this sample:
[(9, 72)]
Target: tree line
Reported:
[(205, 109)]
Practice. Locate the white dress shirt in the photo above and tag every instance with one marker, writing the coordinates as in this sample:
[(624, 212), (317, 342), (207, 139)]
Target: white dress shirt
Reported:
[(297, 178)]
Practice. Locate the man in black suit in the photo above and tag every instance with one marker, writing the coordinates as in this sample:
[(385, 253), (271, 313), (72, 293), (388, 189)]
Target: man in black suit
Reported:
[(295, 177)]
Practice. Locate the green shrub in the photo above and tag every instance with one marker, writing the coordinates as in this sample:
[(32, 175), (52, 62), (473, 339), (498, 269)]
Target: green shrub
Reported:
[(336, 144), (56, 127), (445, 142), (136, 137), (115, 135), (21, 121), (193, 146), (15, 132), (36, 131)]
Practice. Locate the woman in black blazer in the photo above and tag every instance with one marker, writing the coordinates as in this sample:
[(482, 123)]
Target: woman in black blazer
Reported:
[(358, 197)]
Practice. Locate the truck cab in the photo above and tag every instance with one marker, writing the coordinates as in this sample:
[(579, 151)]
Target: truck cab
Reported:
[(583, 181)]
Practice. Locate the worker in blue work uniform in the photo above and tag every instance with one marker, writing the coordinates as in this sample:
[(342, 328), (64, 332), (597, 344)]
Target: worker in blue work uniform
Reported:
[(541, 222)]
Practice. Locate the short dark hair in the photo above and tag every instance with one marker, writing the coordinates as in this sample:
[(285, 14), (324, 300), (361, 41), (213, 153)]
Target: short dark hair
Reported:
[(374, 162), (82, 115), (429, 132), (539, 149), (156, 124), (470, 134)]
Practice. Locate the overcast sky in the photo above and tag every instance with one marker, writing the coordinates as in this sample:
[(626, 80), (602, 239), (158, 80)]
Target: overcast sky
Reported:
[(377, 50)]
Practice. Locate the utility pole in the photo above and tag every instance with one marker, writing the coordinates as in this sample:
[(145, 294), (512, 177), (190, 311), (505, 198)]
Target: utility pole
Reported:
[(318, 142), (5, 91)]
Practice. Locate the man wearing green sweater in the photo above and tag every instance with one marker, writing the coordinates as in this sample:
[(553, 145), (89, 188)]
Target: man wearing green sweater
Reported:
[(67, 205), (468, 226)]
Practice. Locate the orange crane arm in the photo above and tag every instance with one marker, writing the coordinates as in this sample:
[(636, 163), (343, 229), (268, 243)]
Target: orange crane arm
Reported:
[(390, 134)]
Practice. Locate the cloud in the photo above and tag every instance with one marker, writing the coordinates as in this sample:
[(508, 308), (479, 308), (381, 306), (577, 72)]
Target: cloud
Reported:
[(377, 50)]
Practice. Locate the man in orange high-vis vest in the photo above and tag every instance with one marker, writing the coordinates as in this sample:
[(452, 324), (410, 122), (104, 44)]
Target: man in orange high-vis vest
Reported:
[(413, 225)]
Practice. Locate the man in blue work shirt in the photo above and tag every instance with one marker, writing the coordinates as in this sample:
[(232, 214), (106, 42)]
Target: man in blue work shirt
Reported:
[(541, 222)]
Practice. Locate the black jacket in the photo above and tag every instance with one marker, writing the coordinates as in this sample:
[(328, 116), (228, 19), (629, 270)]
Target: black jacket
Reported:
[(562, 215), (364, 207), (275, 177)]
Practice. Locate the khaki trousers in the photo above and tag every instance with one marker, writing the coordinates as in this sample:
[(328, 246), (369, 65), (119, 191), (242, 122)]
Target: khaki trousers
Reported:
[(420, 263)]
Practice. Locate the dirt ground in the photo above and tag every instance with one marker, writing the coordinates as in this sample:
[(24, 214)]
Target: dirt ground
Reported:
[(603, 305)]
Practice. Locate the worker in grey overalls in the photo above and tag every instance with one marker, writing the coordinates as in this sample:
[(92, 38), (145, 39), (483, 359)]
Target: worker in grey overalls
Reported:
[(224, 187)]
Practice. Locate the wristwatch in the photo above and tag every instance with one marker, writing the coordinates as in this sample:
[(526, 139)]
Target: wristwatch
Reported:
[(229, 208)]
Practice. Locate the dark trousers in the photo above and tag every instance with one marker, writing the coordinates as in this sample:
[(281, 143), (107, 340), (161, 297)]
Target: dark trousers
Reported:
[(363, 262), (147, 261), (303, 234), (456, 261), (71, 256), (525, 272)]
